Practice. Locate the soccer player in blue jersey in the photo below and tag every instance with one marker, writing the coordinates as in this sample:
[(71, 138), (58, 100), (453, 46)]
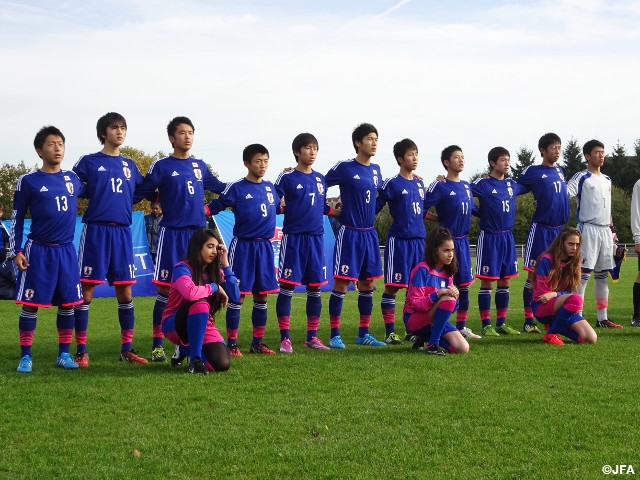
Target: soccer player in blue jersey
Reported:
[(454, 205), (302, 247), (106, 245), (357, 250), (592, 189), (547, 183), (255, 203), (47, 263), (405, 244), (179, 182), (496, 258)]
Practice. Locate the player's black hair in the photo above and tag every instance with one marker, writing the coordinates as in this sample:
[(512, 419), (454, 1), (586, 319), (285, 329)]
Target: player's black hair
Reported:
[(199, 238), (548, 139), (495, 153), (590, 145), (447, 152), (251, 150), (43, 133), (302, 140), (111, 119), (435, 238), (173, 125), (360, 132), (402, 147)]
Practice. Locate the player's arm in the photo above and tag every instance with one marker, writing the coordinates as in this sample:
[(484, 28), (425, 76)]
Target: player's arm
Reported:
[(211, 182), (20, 205), (573, 184), (224, 201), (635, 216)]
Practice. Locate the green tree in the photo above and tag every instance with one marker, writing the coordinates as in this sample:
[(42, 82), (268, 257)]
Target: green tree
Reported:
[(621, 168), (525, 158), (9, 175), (573, 161)]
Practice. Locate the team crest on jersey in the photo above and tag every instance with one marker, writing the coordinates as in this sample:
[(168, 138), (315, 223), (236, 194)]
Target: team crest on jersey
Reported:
[(375, 179), (397, 277), (198, 173), (485, 269), (421, 192), (509, 189), (320, 188), (466, 187), (270, 197), (127, 172), (164, 274), (29, 294), (443, 284), (287, 272), (344, 269), (86, 271), (69, 187)]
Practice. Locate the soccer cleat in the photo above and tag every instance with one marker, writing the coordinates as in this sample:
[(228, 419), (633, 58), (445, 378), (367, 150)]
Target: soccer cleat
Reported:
[(157, 355), (552, 338), (370, 340), (468, 333), (25, 365), (262, 349), (606, 323), (530, 328), (285, 346), (410, 337), (507, 330), (435, 350), (177, 358), (418, 343), (635, 322), (393, 339), (316, 344), (65, 361), (336, 342), (234, 351), (197, 367), (82, 359), (132, 357), (489, 331)]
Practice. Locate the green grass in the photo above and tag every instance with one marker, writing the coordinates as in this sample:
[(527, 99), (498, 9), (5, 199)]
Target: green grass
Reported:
[(512, 408)]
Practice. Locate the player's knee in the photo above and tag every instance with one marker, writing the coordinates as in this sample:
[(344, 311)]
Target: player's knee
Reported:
[(573, 303)]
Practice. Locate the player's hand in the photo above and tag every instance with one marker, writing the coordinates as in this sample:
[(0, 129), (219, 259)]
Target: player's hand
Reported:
[(545, 297), (615, 237), (637, 249), (287, 169), (222, 295), (223, 255), (453, 291), (335, 211), (21, 262), (441, 178), (418, 177)]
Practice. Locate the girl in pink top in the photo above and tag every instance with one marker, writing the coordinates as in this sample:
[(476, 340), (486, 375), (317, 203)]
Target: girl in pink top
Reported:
[(556, 302)]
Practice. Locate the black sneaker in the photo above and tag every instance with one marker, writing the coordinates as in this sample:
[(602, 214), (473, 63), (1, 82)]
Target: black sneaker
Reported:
[(418, 343), (198, 367), (177, 358), (434, 350), (635, 322)]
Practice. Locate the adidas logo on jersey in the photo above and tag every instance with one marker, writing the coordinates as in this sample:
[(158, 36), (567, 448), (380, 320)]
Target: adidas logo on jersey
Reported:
[(248, 196), (404, 192), (494, 191), (299, 186), (175, 174), (44, 189), (544, 175), (102, 169), (356, 176), (452, 193)]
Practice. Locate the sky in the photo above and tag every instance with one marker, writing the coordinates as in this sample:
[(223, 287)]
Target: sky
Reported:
[(473, 73)]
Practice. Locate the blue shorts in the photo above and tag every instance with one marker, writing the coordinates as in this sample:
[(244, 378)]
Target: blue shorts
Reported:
[(464, 276), (302, 260), (52, 276), (538, 240), (172, 248), (496, 255), (106, 251), (252, 262), (400, 256), (357, 254)]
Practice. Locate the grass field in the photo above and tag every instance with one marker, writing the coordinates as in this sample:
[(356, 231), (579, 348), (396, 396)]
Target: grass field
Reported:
[(512, 408)]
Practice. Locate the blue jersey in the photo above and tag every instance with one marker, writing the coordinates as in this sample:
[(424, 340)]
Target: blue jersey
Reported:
[(305, 205), (254, 205), (359, 185), (550, 193), (454, 205), (51, 199), (111, 183), (497, 198), (405, 199), (181, 184)]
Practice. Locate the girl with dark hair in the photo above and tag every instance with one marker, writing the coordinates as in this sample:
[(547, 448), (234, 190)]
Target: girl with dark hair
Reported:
[(201, 285), (432, 297), (556, 303)]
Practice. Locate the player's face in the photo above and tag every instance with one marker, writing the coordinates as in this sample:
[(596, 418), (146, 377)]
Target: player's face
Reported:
[(115, 135), (502, 164), (596, 157), (410, 160), (446, 252), (456, 162), (209, 251), (182, 139), (368, 145), (308, 154), (52, 152), (571, 245), (552, 153), (156, 210), (258, 165)]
